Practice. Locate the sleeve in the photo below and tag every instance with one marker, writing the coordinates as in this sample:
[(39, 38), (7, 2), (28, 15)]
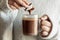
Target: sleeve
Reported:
[(4, 5), (7, 15)]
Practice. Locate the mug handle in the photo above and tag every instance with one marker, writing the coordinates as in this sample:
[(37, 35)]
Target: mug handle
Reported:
[(39, 24)]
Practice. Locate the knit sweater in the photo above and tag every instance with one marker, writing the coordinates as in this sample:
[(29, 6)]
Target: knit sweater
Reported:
[(7, 16)]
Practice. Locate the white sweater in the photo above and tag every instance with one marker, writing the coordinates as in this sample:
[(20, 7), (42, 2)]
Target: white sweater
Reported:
[(7, 16)]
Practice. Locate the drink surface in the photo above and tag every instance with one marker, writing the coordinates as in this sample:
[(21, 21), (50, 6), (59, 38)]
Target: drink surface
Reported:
[(30, 26)]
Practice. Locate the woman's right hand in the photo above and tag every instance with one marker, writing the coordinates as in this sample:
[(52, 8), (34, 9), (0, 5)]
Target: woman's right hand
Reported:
[(16, 4)]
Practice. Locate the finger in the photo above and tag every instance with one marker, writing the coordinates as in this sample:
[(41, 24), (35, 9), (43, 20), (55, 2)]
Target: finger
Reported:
[(44, 17), (45, 28), (10, 2), (44, 33), (16, 5), (27, 3), (13, 7), (46, 23), (20, 2)]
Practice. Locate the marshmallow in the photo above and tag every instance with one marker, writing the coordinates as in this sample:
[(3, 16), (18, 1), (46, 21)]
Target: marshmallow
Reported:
[(29, 7)]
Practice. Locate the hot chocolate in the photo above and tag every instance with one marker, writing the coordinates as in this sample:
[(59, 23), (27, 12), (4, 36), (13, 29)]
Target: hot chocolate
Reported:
[(30, 26)]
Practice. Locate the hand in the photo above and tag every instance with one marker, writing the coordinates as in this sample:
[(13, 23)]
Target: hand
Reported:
[(45, 25), (16, 4)]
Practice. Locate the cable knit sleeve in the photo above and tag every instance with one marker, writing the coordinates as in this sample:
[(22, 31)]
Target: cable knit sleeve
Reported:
[(4, 5), (7, 15)]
